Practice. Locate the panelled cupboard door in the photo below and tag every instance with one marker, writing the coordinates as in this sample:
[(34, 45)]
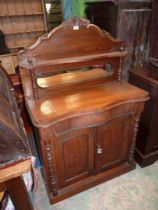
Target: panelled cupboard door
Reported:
[(74, 156), (113, 142)]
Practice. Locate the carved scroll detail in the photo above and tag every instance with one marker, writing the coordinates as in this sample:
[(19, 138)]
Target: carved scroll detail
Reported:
[(51, 170), (75, 21), (135, 130)]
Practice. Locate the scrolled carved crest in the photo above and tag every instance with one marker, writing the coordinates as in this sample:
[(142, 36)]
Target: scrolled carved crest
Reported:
[(28, 57), (75, 23)]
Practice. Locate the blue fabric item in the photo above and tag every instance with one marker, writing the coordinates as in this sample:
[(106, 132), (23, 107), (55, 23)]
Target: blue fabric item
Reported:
[(67, 5), (73, 8)]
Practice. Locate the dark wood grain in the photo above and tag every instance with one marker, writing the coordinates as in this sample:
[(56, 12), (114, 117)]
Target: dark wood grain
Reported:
[(15, 157), (16, 187), (147, 78), (19, 96), (136, 35), (147, 140), (129, 21), (12, 147), (154, 39)]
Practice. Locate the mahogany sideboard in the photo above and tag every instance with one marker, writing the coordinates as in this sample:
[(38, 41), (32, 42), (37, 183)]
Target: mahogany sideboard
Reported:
[(86, 118)]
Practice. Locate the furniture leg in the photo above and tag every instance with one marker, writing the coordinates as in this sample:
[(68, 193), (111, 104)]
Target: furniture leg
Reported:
[(18, 194)]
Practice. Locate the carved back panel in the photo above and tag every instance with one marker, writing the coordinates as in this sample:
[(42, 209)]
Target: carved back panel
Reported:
[(74, 44)]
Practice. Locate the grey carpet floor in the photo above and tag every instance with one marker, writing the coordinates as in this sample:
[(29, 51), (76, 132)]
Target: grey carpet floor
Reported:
[(136, 190)]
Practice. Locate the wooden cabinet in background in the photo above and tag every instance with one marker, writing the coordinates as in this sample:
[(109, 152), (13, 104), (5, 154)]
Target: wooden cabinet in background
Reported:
[(15, 156), (129, 21), (22, 22), (103, 14), (146, 77), (147, 140), (154, 30), (19, 97)]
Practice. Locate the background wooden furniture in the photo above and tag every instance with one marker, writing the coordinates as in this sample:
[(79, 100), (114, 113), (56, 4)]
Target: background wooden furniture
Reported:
[(85, 117), (147, 140), (146, 77), (19, 97), (154, 31), (15, 158), (54, 13), (22, 22), (9, 62), (128, 20)]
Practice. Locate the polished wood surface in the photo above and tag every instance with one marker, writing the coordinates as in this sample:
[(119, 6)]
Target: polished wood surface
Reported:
[(73, 35), (69, 102), (71, 78), (78, 33), (15, 157), (86, 121)]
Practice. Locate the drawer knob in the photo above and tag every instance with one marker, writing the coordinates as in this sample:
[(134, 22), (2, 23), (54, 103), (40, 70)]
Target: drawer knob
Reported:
[(99, 149)]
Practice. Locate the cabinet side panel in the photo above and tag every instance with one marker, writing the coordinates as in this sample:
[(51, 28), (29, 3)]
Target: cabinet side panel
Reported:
[(146, 119)]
